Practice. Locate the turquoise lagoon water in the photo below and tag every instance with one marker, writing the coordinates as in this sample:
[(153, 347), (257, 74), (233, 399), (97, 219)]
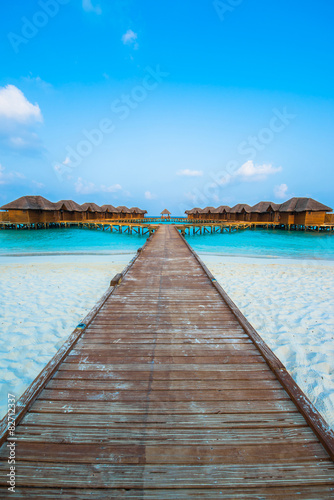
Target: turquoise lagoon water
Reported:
[(266, 243), (246, 243), (67, 241)]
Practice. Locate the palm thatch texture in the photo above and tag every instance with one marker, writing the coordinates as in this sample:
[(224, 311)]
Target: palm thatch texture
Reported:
[(30, 203), (165, 212)]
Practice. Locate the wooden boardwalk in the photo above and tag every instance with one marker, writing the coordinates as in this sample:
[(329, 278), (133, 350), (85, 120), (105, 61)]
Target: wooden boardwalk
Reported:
[(167, 394)]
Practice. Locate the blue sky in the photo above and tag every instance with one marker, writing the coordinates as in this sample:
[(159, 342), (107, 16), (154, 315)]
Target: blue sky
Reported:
[(174, 104)]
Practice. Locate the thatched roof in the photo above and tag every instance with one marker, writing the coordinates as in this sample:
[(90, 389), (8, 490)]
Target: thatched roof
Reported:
[(208, 210), (165, 212), (136, 210), (69, 205), (237, 209), (195, 210), (263, 206), (92, 207), (303, 205), (124, 210), (109, 208), (29, 203), (221, 209)]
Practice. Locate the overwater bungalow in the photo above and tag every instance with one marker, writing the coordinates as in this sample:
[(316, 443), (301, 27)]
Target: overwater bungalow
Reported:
[(123, 212), (193, 213), (303, 212), (222, 213), (207, 213), (91, 211), (240, 212), (137, 213), (68, 210), (109, 212), (265, 211), (29, 210), (166, 213)]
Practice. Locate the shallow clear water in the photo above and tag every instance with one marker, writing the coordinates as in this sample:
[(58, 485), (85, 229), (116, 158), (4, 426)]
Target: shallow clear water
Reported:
[(266, 243), (70, 240), (259, 243)]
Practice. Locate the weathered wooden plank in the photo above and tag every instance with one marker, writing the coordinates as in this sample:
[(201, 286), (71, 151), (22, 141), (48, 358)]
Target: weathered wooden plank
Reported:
[(150, 476), (191, 385), (220, 421), (162, 436), (212, 395), (315, 492), (193, 360), (164, 407), (163, 375), (169, 368), (140, 454)]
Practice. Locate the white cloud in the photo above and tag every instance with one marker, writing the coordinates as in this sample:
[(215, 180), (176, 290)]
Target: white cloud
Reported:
[(39, 185), (88, 6), (38, 82), (111, 189), (249, 171), (281, 191), (190, 173), (15, 106), (85, 187), (150, 196), (8, 177), (130, 38)]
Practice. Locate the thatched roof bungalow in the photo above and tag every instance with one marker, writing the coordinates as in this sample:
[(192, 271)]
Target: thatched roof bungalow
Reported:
[(193, 213), (303, 211), (240, 212), (265, 211), (109, 212), (137, 213), (166, 213), (29, 210), (68, 210), (222, 212), (124, 212), (207, 213), (91, 211)]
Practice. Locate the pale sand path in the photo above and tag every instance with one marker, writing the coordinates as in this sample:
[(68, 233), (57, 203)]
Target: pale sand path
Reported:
[(291, 305)]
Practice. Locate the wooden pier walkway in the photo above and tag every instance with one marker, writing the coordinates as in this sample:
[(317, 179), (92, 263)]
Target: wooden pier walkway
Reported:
[(168, 393)]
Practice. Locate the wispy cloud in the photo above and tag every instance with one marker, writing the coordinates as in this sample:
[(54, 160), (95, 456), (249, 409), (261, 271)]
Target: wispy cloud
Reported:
[(88, 6), (15, 106), (38, 185), (190, 173), (85, 187), (129, 38), (150, 196), (8, 177), (281, 191), (250, 171)]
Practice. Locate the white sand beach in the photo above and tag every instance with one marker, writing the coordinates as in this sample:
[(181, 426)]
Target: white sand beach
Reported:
[(41, 305), (290, 303)]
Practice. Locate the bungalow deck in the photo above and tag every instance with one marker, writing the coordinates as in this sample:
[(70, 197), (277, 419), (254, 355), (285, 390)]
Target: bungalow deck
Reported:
[(167, 392)]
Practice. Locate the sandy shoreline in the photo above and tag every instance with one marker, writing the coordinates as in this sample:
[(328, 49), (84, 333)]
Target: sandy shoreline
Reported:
[(291, 305), (289, 302), (43, 304)]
